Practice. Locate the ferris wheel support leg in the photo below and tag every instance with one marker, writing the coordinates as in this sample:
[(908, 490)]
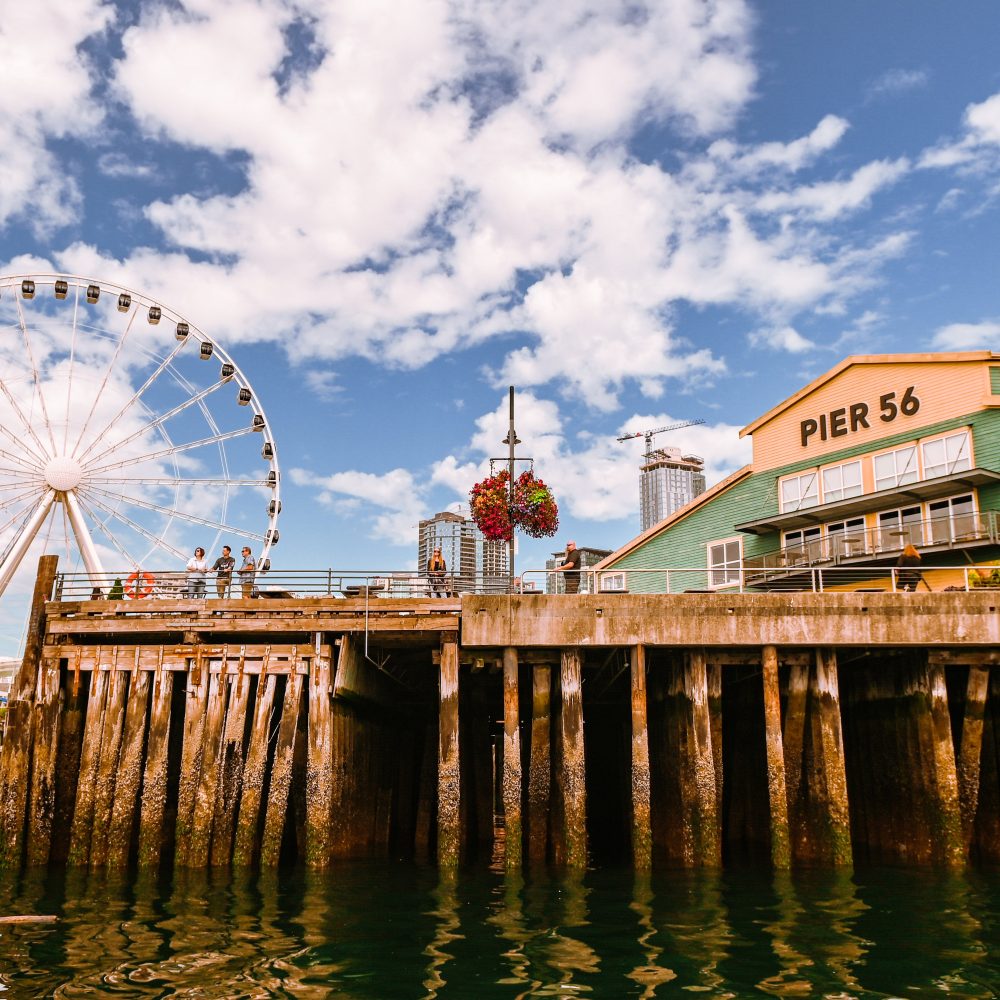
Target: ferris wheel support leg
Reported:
[(9, 566), (88, 550)]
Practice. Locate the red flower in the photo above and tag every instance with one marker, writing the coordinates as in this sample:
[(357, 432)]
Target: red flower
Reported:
[(533, 509)]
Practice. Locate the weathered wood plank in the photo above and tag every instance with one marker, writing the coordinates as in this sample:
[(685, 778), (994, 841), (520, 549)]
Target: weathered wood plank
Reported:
[(699, 776), (134, 625), (254, 773), (107, 768), (154, 782), (948, 814), (90, 756), (47, 712), (319, 766), (642, 835), (449, 786), (68, 763), (781, 848), (231, 758), (281, 775), (129, 776), (202, 818), (794, 740), (512, 784), (195, 708), (540, 763), (572, 772), (825, 691)]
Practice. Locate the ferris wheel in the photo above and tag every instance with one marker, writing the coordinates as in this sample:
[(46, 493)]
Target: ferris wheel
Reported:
[(127, 436)]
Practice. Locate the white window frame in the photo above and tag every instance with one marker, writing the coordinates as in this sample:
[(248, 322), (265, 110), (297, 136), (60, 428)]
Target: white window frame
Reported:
[(899, 477), (612, 581), (843, 492), (811, 493), (730, 570), (959, 464)]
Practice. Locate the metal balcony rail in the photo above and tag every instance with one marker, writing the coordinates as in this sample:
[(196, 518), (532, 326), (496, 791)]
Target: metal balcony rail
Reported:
[(956, 531), (735, 579), (153, 583)]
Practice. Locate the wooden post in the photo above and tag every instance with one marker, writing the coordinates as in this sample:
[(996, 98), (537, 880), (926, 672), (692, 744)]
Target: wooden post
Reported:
[(248, 822), (572, 773), (230, 767), (449, 792), (319, 767), (15, 754), (948, 813), (208, 780), (281, 771), (794, 747), (44, 755), (642, 837), (426, 795), (129, 775), (154, 782), (540, 763), (970, 751), (107, 768), (90, 756), (826, 701), (703, 814), (714, 674), (511, 761), (191, 755), (781, 852)]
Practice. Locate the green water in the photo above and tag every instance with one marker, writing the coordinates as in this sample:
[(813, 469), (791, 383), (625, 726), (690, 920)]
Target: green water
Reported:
[(388, 930)]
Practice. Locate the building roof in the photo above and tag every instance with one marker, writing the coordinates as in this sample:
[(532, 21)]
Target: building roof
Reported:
[(951, 357), (678, 515)]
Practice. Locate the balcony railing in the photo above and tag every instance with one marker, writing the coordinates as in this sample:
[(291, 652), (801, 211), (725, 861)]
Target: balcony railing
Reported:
[(863, 544)]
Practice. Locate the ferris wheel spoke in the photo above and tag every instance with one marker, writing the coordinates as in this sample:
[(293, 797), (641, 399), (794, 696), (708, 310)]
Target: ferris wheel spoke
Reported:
[(137, 395), (176, 449), (20, 442), (19, 459), (177, 481), (173, 512), (134, 525), (158, 421), (107, 375), (104, 530), (72, 366), (34, 372), (19, 502)]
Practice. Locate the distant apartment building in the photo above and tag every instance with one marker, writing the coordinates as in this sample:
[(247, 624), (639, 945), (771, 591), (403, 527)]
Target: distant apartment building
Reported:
[(473, 562), (668, 480), (555, 583)]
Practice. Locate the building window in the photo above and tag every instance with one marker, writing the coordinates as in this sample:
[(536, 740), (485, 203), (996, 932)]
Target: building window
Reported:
[(799, 491), (995, 381), (842, 481), (899, 528), (945, 455), (803, 546), (896, 468), (612, 582), (847, 538), (953, 520), (724, 562)]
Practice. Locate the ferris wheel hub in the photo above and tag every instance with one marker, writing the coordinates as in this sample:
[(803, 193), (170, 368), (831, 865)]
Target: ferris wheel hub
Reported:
[(63, 473)]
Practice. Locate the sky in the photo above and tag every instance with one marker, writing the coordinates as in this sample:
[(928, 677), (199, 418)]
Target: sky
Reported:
[(635, 213)]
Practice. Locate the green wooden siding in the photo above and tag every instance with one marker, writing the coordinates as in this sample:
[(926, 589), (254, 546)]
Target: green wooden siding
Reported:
[(684, 544)]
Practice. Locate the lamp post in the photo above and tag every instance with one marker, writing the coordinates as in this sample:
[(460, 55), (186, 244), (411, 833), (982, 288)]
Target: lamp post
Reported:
[(511, 440)]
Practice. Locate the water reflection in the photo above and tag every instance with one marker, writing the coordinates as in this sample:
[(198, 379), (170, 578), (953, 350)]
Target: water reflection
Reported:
[(386, 931)]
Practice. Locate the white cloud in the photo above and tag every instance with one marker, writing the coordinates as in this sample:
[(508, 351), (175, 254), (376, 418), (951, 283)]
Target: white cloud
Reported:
[(898, 81), (786, 155), (968, 336), (785, 338), (977, 148)]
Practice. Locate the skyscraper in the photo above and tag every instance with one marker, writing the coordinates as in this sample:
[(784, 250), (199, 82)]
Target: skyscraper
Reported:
[(667, 481), (473, 562)]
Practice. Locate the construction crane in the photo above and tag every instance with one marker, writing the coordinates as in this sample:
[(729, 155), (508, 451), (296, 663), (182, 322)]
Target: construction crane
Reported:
[(648, 435)]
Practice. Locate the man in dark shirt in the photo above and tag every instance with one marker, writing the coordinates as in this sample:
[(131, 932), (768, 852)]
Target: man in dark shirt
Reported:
[(571, 568), (223, 569)]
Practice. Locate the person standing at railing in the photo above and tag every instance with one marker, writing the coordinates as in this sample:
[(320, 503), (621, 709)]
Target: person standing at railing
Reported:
[(247, 572), (571, 568), (197, 570), (223, 570), (436, 569), (908, 574)]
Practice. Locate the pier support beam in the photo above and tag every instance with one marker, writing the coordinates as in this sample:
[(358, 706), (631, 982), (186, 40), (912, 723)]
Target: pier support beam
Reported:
[(248, 822), (540, 763), (572, 772), (781, 850), (449, 786), (154, 782), (44, 756), (642, 838), (970, 752), (319, 767), (512, 790), (828, 749), (281, 771), (129, 776), (701, 821), (947, 814)]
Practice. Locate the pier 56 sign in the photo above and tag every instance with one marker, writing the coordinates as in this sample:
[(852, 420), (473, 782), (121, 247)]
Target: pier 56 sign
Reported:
[(848, 419)]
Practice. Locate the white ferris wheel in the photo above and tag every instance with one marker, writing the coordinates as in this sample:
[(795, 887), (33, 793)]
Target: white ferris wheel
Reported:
[(127, 436)]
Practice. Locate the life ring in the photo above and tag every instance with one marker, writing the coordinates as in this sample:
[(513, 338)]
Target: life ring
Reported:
[(139, 585)]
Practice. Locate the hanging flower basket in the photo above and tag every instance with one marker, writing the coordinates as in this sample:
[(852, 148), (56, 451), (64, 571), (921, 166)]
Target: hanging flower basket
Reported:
[(534, 510)]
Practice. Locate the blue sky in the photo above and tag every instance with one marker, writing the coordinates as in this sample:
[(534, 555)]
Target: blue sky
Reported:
[(636, 213)]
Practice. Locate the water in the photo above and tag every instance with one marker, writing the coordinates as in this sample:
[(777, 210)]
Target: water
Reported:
[(388, 930)]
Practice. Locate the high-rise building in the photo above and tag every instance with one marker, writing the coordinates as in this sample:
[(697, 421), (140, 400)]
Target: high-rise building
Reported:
[(473, 562), (668, 480)]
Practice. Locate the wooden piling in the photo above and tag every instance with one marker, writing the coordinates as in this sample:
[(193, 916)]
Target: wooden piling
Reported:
[(319, 766), (67, 774), (154, 781), (825, 693), (129, 777), (44, 755), (281, 771), (794, 743), (191, 755), (539, 763), (200, 841), (107, 768), (15, 753), (512, 786), (948, 814), (572, 770), (970, 752), (781, 852), (642, 837), (423, 833), (231, 757), (714, 674), (448, 760), (254, 774), (90, 756), (701, 816)]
